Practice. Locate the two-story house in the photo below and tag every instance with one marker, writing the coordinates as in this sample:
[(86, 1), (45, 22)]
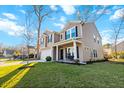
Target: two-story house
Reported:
[(75, 41)]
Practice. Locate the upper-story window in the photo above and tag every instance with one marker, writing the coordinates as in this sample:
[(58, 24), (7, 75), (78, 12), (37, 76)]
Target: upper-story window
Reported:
[(97, 40), (61, 36), (50, 38), (74, 32), (71, 33), (67, 34), (94, 38)]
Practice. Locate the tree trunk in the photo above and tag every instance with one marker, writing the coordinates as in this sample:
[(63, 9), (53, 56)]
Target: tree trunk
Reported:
[(28, 55), (38, 41)]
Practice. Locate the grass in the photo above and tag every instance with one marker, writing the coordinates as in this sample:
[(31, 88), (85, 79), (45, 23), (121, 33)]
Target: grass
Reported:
[(4, 70), (48, 75), (16, 78)]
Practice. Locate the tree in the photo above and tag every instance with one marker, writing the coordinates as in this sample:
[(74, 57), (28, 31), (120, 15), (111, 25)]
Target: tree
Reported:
[(28, 35), (91, 13), (40, 13), (118, 26)]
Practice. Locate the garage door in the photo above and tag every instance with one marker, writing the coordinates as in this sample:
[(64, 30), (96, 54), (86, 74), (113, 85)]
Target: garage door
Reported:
[(45, 53)]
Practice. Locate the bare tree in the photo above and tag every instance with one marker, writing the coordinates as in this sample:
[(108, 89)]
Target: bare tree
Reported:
[(40, 13), (118, 26), (28, 33), (91, 13)]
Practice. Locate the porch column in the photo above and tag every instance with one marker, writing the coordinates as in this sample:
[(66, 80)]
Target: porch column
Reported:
[(64, 54), (75, 49), (57, 53), (52, 53)]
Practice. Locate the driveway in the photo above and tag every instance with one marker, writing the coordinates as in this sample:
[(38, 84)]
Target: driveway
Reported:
[(9, 64), (25, 62)]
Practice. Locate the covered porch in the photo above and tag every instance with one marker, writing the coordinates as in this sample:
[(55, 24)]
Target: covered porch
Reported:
[(66, 51)]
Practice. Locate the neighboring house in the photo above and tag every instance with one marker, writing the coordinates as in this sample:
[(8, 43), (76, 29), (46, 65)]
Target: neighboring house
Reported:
[(107, 50), (8, 53), (24, 50), (75, 41), (120, 46)]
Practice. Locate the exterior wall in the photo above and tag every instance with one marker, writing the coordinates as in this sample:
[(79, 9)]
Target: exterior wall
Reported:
[(86, 34), (89, 30)]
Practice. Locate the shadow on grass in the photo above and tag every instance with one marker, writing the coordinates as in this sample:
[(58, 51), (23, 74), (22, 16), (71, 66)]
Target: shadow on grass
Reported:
[(14, 77), (8, 76)]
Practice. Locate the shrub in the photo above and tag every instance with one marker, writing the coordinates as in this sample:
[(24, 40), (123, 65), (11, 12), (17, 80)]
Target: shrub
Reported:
[(119, 54), (48, 58), (76, 61), (31, 55)]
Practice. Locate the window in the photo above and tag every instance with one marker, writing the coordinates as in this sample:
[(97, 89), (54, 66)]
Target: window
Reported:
[(70, 53), (61, 37), (94, 38), (67, 34), (95, 53), (97, 40), (71, 33), (49, 38), (74, 32)]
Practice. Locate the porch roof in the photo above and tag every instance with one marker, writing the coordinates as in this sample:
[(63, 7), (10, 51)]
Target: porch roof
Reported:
[(63, 42)]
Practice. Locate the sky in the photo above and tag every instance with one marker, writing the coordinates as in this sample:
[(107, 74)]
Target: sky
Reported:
[(12, 20)]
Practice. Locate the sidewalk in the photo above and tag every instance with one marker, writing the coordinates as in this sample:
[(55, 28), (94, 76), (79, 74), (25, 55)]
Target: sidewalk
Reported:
[(8, 64), (30, 61)]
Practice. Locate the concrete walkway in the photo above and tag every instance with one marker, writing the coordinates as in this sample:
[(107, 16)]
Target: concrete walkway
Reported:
[(25, 62), (8, 64), (16, 63)]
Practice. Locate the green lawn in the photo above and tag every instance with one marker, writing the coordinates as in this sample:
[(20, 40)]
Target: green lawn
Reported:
[(67, 75)]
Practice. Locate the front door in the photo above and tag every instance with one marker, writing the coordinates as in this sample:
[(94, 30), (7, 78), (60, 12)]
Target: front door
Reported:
[(61, 54)]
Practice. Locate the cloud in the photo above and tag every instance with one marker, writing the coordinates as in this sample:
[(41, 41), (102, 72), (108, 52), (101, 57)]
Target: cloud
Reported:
[(102, 11), (62, 19), (11, 27), (69, 10), (53, 7), (118, 14), (59, 25), (9, 16), (22, 11)]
